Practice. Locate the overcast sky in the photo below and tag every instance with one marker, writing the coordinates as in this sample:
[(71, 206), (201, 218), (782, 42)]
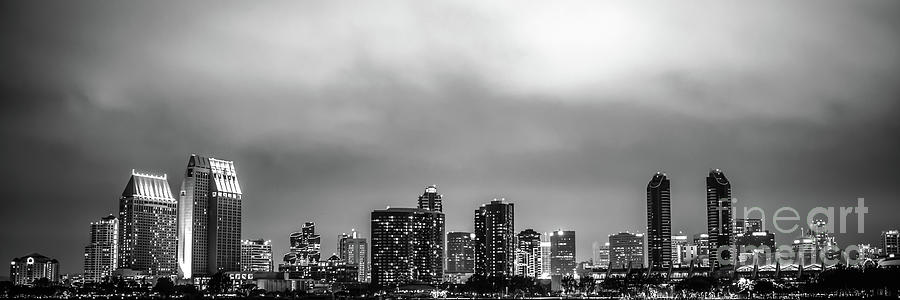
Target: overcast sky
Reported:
[(332, 109)]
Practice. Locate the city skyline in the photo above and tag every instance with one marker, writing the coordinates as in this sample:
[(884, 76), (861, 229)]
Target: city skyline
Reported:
[(331, 113)]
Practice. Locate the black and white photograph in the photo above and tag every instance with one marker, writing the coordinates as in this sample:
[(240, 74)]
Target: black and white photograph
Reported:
[(320, 149)]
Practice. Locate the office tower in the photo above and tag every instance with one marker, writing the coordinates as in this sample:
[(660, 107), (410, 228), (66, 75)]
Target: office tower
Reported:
[(460, 252), (407, 246), (747, 226), (678, 249), (101, 255), (354, 250), (256, 256), (209, 217), (601, 254), (545, 256), (718, 216), (626, 250), (659, 221), (528, 257), (494, 239), (26, 269), (306, 245), (755, 247), (431, 200), (701, 241), (890, 243), (148, 233), (562, 253)]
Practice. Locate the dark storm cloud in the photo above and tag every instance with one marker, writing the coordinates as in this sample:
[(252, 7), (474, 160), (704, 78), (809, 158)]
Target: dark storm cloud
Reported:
[(333, 109)]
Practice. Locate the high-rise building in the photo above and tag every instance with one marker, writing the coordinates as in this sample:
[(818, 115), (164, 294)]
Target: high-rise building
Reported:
[(306, 246), (562, 253), (26, 269), (101, 255), (256, 256), (354, 250), (407, 246), (890, 242), (626, 250), (209, 218), (545, 256), (701, 241), (460, 252), (659, 221), (678, 250), (431, 200), (601, 254), (528, 257), (718, 216), (148, 233), (495, 239)]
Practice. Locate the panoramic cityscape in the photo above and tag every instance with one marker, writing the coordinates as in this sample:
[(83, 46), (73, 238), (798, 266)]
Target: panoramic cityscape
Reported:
[(450, 149)]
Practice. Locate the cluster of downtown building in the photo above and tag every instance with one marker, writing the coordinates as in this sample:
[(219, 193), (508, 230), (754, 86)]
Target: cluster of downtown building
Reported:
[(197, 233)]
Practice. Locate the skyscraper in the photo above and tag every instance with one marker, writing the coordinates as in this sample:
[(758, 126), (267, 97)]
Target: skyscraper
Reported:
[(354, 251), (407, 246), (256, 256), (718, 216), (148, 234), (306, 245), (209, 217), (460, 252), (528, 249), (431, 200), (494, 239), (626, 250), (890, 242), (562, 253), (101, 255), (659, 221)]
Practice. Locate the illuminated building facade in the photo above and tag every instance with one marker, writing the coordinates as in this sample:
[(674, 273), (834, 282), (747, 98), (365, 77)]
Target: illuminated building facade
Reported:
[(718, 216), (495, 239), (407, 246), (601, 254), (678, 249), (431, 200), (354, 250), (528, 253), (659, 221), (209, 218), (890, 243), (756, 247), (101, 255), (148, 234), (256, 256), (562, 253), (460, 252), (626, 250), (26, 269), (306, 245)]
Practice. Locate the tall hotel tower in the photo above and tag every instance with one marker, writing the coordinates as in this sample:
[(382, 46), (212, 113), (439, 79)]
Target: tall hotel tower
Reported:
[(718, 215), (101, 255), (659, 222), (407, 246), (495, 239), (209, 218), (148, 233)]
